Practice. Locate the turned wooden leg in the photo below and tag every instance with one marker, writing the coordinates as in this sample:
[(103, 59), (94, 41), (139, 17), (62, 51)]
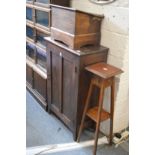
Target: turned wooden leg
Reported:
[(112, 110), (85, 110), (98, 119)]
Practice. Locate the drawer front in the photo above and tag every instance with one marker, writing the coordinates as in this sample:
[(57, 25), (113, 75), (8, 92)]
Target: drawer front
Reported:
[(29, 75), (40, 85)]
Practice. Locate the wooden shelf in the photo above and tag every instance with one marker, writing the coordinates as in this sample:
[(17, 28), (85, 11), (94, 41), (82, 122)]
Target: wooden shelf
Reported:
[(92, 113)]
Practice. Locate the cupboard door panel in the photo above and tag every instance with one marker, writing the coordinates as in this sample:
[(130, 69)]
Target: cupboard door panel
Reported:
[(68, 74), (56, 81)]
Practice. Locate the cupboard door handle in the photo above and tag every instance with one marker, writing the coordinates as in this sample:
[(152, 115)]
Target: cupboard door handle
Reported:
[(60, 54)]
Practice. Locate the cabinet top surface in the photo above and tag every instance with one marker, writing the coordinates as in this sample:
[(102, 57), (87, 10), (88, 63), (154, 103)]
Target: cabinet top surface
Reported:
[(104, 70), (82, 51), (76, 10)]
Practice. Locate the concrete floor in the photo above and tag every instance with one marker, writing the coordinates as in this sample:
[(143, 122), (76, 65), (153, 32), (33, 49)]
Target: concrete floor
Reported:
[(43, 129)]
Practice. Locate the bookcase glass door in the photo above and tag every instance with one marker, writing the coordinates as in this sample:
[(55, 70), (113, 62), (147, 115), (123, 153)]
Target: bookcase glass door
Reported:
[(29, 32), (40, 38), (41, 59), (30, 51), (42, 18), (29, 13)]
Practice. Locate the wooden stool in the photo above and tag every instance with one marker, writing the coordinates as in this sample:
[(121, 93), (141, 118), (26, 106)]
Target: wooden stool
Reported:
[(103, 77)]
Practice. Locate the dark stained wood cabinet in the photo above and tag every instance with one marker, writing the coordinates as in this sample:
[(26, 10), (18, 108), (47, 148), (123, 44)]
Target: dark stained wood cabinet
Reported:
[(67, 81), (38, 25)]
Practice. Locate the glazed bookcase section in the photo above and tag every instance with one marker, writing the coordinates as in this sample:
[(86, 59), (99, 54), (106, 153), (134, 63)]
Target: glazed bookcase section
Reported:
[(41, 58), (42, 17), (30, 51), (75, 28), (30, 32), (40, 34), (46, 3), (36, 82), (29, 14)]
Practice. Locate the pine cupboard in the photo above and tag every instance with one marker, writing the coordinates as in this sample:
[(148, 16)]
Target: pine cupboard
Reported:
[(67, 81)]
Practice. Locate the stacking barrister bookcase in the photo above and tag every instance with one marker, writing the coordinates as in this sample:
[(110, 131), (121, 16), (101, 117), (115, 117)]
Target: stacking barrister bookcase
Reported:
[(75, 28), (38, 26)]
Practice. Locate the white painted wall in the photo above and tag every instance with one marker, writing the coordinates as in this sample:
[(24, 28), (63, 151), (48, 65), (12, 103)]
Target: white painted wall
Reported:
[(115, 36)]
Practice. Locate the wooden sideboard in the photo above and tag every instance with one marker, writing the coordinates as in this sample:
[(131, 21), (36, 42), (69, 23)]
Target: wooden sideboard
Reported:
[(67, 81)]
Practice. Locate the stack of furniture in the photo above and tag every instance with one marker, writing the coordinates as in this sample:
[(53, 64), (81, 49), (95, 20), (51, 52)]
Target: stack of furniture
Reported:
[(38, 26), (73, 45)]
